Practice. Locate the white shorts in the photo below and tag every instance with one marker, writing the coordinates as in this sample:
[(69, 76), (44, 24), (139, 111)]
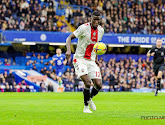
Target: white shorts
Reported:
[(84, 66)]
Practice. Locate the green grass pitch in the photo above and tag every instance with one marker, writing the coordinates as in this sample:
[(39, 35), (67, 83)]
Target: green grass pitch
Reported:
[(122, 108)]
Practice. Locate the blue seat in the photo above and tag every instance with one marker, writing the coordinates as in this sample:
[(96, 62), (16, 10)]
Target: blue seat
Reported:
[(33, 58), (110, 56), (29, 54), (121, 56), (133, 56), (143, 56)]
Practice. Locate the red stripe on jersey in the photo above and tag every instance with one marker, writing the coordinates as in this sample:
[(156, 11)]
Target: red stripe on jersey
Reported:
[(94, 34), (88, 51)]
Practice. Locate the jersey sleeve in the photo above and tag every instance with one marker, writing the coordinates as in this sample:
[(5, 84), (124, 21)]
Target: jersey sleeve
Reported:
[(151, 50), (54, 57), (102, 34), (64, 57), (79, 31)]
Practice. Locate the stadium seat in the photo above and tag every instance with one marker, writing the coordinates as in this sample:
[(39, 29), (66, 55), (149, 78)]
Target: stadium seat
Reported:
[(121, 56), (133, 56)]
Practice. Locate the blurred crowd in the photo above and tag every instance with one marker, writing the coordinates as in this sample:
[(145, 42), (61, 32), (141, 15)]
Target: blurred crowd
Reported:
[(21, 15), (118, 16), (128, 74), (8, 84), (123, 16), (124, 75)]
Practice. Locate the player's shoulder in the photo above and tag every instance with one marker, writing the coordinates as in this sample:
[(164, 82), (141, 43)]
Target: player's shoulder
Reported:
[(54, 56), (101, 28), (63, 55), (85, 25), (154, 47)]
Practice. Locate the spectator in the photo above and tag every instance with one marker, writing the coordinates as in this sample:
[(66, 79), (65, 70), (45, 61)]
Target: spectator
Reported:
[(7, 89), (50, 88), (42, 88), (22, 83), (20, 89), (14, 88), (42, 82), (27, 88), (10, 78), (1, 90), (76, 83), (4, 82), (68, 14)]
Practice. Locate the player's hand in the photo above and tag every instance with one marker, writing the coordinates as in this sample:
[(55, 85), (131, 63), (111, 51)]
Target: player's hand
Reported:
[(68, 53), (97, 62), (153, 53)]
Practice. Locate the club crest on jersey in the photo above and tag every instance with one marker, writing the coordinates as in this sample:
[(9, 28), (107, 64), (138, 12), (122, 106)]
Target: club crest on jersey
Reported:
[(162, 53), (61, 58), (94, 34)]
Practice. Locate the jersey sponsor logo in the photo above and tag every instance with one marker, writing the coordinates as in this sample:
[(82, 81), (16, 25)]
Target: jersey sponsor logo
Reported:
[(162, 53), (82, 70), (156, 49), (94, 35)]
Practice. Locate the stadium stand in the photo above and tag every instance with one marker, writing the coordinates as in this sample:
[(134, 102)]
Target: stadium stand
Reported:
[(125, 16), (120, 72)]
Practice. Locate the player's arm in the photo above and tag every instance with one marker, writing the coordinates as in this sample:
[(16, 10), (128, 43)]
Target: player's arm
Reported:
[(68, 45), (52, 61), (96, 60), (65, 61), (151, 52), (76, 34)]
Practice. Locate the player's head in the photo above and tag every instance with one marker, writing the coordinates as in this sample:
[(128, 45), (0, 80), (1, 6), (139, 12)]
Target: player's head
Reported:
[(58, 51), (95, 19), (159, 43)]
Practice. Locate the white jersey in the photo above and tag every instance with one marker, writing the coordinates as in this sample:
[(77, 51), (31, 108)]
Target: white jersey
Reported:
[(87, 37)]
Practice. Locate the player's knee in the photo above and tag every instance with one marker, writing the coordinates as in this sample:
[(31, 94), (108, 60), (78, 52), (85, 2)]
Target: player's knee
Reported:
[(87, 83), (159, 74), (98, 85)]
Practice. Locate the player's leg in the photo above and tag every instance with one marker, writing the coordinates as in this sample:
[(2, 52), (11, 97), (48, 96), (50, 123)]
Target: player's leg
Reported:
[(86, 92), (159, 77), (95, 75), (156, 73), (96, 88), (59, 79), (81, 71)]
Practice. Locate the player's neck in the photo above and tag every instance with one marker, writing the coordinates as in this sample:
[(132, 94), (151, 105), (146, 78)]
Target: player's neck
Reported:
[(159, 46), (58, 54), (93, 27)]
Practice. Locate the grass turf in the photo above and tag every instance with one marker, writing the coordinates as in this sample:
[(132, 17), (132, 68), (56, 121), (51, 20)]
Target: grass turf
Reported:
[(124, 108)]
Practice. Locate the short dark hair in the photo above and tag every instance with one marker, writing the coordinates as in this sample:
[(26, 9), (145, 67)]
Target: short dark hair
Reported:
[(96, 13)]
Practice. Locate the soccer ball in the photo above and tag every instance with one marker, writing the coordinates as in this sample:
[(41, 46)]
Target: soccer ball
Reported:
[(100, 48)]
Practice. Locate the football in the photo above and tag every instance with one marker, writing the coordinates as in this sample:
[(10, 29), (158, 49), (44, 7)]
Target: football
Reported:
[(100, 48)]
